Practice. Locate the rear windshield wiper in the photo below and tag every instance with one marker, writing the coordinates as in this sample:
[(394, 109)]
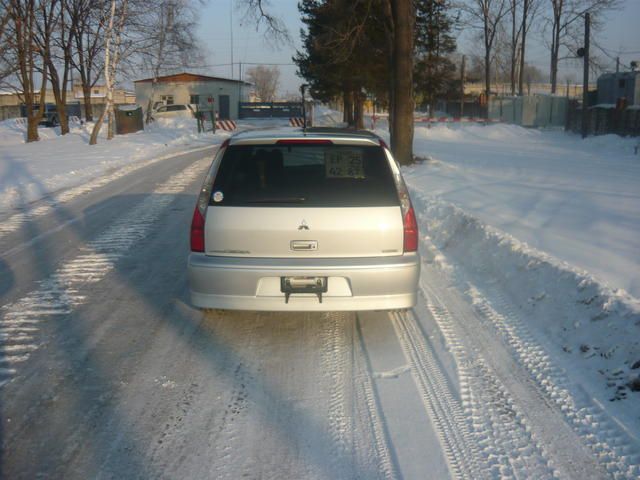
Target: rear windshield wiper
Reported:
[(279, 200)]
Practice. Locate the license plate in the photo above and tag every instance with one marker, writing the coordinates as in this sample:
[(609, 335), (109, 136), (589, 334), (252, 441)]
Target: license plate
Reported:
[(293, 285)]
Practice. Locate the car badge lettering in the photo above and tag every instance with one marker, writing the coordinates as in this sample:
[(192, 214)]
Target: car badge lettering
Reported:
[(303, 225)]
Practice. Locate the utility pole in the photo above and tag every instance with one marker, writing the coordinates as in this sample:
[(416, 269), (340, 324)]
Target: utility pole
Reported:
[(231, 34), (585, 80), (462, 86), (239, 85), (617, 64)]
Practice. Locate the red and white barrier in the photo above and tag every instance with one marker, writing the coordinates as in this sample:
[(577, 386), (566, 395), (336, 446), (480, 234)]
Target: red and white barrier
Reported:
[(451, 120), (296, 122), (226, 125)]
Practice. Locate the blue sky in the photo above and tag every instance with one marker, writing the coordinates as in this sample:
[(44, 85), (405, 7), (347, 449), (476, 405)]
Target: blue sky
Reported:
[(621, 33)]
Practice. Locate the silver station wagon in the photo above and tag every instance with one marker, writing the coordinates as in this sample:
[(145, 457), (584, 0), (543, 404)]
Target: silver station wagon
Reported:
[(313, 220)]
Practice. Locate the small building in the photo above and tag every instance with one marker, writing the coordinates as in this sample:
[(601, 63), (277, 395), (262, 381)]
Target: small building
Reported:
[(223, 94), (11, 100), (613, 86)]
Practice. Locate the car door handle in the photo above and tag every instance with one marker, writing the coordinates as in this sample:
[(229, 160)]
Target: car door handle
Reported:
[(304, 245)]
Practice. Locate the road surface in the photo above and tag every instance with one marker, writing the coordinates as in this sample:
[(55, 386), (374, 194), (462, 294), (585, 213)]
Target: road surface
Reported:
[(106, 371)]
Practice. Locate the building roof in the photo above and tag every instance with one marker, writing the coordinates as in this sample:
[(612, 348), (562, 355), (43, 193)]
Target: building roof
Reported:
[(632, 73), (189, 77)]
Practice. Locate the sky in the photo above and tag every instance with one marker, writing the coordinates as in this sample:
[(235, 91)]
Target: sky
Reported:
[(220, 18)]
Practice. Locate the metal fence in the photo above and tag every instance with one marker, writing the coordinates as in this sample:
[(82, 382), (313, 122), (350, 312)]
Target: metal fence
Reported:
[(530, 111), (602, 120)]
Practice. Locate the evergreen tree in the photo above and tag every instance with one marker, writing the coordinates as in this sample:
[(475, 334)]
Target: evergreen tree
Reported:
[(345, 52), (434, 73)]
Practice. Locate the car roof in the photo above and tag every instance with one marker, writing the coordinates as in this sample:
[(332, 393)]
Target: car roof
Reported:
[(343, 136)]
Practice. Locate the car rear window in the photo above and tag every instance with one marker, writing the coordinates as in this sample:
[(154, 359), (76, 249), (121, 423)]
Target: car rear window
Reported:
[(307, 175)]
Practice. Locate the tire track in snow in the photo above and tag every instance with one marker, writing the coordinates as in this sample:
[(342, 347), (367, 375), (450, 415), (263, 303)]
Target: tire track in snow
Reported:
[(355, 427), (443, 409), (611, 446), (498, 426), (60, 293), (371, 414), (335, 339), (48, 205)]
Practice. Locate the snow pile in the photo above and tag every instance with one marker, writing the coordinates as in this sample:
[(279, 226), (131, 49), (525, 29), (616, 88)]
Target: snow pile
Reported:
[(576, 312), (31, 171), (578, 200)]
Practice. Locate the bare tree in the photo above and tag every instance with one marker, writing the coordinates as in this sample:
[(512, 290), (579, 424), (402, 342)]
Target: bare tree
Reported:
[(165, 40), (566, 29), (529, 11), (265, 80), (516, 33), (89, 18), (6, 68), (54, 40), (22, 53), (258, 12), (487, 16), (118, 13)]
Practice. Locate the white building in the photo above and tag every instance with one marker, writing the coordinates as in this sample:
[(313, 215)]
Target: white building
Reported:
[(189, 88)]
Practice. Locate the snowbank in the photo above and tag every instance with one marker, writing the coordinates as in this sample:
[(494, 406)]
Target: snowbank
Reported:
[(597, 325), (31, 171), (578, 200)]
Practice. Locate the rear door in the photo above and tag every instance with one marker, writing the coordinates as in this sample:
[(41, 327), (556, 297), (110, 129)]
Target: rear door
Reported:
[(304, 200)]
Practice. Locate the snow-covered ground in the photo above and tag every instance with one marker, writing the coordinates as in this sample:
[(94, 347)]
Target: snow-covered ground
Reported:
[(577, 200), (31, 171), (515, 363), (541, 232)]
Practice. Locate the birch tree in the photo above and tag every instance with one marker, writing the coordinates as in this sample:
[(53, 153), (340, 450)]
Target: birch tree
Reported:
[(118, 12)]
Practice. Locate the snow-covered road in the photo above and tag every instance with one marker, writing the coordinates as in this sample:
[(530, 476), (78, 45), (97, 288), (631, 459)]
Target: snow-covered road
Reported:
[(107, 372)]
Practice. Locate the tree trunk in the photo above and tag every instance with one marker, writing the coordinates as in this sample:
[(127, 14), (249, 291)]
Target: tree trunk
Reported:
[(403, 14), (514, 47), (359, 110), (88, 108), (525, 12), (347, 102), (555, 49), (487, 73), (96, 128), (61, 111), (32, 127)]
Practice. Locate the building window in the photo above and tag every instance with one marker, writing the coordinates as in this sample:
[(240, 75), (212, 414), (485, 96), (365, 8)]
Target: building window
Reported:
[(167, 99), (194, 99), (96, 91)]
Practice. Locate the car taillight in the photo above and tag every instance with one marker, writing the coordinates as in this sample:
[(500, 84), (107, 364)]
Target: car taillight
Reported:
[(200, 212), (409, 222), (197, 231), (410, 231)]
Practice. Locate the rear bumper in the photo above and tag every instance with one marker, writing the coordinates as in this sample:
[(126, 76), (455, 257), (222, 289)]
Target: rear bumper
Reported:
[(233, 283)]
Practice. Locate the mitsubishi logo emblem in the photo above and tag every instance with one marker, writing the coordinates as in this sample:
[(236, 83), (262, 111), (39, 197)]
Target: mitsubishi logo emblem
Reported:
[(303, 225)]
